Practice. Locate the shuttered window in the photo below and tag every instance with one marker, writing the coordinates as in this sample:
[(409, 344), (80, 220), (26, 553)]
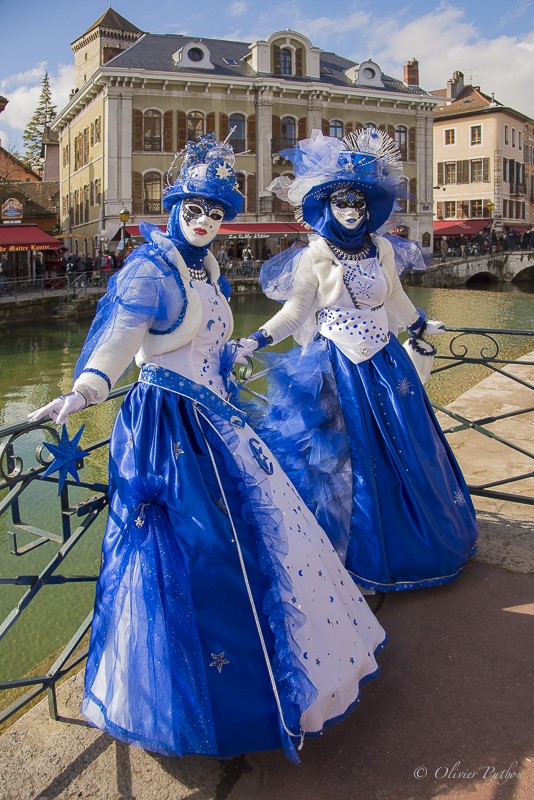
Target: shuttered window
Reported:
[(303, 123), (251, 194), (137, 180), (168, 132), (251, 133), (210, 122), (462, 171), (412, 143), (137, 130), (298, 61)]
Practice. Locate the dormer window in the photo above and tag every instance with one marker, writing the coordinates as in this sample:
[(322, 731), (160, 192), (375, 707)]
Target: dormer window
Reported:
[(195, 54), (285, 61)]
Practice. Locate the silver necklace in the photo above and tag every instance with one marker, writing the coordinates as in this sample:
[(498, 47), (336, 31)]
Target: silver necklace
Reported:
[(358, 256), (198, 274)]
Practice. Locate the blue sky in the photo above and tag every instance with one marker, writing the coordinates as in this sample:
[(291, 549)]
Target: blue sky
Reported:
[(489, 42)]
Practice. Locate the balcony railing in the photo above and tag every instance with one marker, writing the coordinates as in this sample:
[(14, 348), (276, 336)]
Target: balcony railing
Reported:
[(518, 189), (282, 143), (152, 144), (152, 207), (239, 145)]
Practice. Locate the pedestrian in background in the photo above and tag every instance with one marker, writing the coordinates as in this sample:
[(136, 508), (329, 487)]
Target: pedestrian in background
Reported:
[(4, 285), (444, 246), (247, 261)]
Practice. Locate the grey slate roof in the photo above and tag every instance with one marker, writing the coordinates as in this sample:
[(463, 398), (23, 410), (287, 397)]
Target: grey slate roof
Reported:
[(111, 19), (153, 52)]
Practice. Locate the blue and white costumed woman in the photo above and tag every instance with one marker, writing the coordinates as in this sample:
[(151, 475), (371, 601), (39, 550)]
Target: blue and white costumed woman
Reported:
[(348, 418), (224, 621)]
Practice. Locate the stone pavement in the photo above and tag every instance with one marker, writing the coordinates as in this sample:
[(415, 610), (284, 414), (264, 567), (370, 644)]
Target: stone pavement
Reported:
[(450, 716)]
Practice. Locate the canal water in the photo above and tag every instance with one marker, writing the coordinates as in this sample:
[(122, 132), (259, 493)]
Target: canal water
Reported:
[(38, 363)]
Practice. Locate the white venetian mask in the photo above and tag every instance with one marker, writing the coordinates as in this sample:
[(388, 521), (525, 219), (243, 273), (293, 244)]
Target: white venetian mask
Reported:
[(200, 220), (349, 208)]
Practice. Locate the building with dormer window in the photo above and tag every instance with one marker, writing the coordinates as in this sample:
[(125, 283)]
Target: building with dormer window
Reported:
[(131, 113)]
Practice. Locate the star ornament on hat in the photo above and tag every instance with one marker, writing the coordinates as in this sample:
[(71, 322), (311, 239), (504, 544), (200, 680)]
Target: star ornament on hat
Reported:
[(207, 171), (366, 160)]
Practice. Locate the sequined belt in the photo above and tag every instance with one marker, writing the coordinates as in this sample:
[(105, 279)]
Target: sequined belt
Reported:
[(166, 379)]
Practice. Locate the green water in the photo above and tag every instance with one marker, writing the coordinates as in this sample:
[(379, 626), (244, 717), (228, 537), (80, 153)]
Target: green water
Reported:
[(37, 365)]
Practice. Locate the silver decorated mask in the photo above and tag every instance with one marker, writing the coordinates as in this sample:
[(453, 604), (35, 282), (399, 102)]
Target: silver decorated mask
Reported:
[(349, 208), (200, 220)]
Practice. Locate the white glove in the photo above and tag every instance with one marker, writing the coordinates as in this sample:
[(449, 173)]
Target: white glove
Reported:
[(60, 408), (245, 347), (433, 327)]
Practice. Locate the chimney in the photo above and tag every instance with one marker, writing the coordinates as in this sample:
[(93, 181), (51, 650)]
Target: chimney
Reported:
[(455, 85), (411, 72)]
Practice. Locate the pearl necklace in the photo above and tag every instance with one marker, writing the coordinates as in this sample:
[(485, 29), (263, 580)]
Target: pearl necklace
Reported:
[(198, 274)]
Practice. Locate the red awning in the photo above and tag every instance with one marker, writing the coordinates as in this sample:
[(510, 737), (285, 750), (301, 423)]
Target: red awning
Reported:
[(270, 228), (18, 238), (455, 227), (236, 229)]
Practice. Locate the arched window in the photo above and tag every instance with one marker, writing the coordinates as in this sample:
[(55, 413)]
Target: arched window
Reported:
[(86, 203), (152, 131), (237, 138), (195, 126), (336, 129), (152, 193), (76, 208), (288, 130), (369, 125), (285, 61), (401, 139)]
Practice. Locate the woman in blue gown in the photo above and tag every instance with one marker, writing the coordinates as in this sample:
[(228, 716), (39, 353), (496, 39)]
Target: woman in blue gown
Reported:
[(224, 621), (348, 417)]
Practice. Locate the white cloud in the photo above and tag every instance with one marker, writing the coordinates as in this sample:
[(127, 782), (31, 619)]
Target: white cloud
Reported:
[(237, 8), (24, 96)]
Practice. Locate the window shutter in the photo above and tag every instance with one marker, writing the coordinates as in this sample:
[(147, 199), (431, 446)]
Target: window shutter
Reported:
[(223, 126), (251, 135), (462, 171), (485, 212), (277, 203), (413, 196), (137, 130), (137, 193), (326, 127), (302, 127), (99, 128), (382, 128), (64, 156), (250, 200), (391, 131), (182, 129), (277, 57), (210, 122), (167, 132), (486, 170), (348, 128), (440, 173), (298, 62), (411, 145), (92, 193), (92, 129), (86, 147), (439, 213), (277, 127)]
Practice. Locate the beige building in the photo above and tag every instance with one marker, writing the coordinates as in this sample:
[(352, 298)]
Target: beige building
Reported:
[(130, 114), (483, 157)]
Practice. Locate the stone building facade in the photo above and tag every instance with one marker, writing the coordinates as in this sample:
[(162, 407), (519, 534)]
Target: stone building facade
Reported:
[(120, 130), (483, 157)]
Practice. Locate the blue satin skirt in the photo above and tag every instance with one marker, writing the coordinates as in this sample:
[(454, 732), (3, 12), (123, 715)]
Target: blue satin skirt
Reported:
[(171, 596), (364, 449)]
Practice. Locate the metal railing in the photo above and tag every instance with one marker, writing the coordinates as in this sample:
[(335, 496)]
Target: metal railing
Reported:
[(237, 269), (18, 478), (481, 250), (64, 288)]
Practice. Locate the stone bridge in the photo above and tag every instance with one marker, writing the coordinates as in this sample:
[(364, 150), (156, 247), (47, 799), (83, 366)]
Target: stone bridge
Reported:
[(513, 267)]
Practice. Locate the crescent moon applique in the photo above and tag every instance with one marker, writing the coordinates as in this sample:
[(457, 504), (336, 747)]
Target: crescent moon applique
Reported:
[(306, 655)]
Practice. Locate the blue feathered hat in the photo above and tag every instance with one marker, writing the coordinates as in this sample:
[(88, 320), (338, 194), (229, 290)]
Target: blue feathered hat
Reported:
[(367, 160), (207, 171)]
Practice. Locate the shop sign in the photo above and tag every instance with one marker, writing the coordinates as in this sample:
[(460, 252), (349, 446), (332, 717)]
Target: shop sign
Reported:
[(22, 248), (12, 209)]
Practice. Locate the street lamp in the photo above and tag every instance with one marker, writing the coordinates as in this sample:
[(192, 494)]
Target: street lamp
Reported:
[(124, 217), (490, 208)]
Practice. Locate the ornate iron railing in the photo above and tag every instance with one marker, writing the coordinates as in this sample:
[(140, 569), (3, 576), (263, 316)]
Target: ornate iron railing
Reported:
[(17, 479)]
